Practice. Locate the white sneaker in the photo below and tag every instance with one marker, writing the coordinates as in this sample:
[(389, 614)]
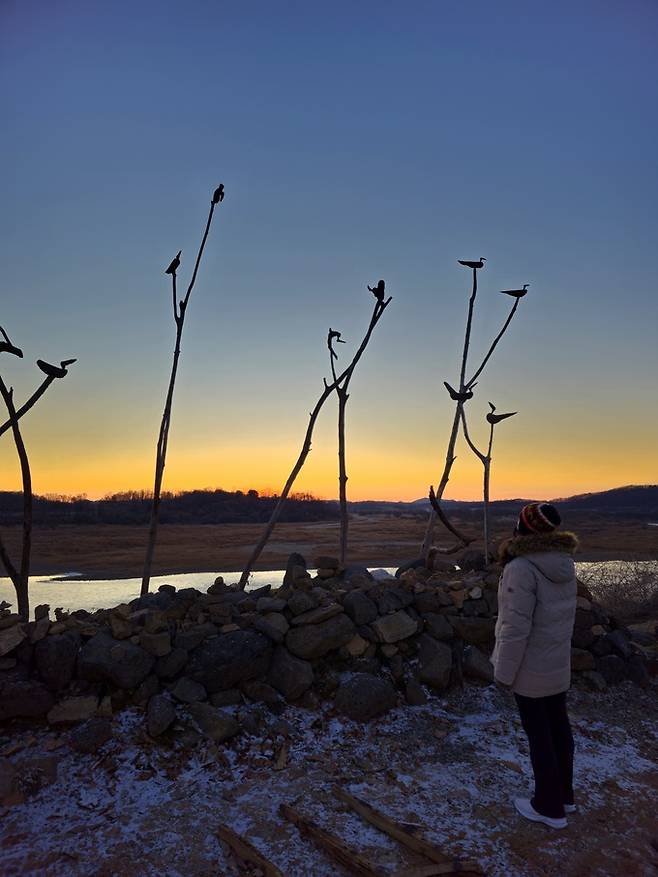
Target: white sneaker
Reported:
[(570, 808), (526, 809)]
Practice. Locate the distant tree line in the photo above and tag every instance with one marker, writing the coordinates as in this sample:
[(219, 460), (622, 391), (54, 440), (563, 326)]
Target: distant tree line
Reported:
[(188, 507)]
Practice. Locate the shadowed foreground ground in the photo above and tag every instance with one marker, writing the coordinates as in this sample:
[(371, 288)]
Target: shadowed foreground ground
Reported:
[(137, 807)]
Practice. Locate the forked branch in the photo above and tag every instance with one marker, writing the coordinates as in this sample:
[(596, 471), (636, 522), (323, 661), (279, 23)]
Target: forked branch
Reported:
[(378, 310)]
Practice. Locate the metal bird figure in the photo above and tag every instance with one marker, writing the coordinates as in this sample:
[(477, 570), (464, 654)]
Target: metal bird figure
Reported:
[(456, 396), (54, 371), (7, 347), (173, 265), (218, 194), (330, 339), (496, 418), (516, 293), (379, 291), (468, 264)]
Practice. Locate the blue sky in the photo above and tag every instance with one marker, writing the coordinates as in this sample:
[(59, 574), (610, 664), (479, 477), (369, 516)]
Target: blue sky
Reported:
[(355, 141)]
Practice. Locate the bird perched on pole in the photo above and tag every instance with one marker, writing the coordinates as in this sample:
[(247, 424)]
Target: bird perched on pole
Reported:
[(516, 293), (456, 396), (474, 265), (379, 291), (496, 418), (173, 265), (218, 194), (7, 347), (54, 371), (330, 339)]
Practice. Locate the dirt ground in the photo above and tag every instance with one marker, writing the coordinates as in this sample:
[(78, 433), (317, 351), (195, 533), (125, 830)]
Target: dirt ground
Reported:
[(110, 551), (451, 767)]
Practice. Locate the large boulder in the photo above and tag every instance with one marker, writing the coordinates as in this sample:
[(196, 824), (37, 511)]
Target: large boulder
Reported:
[(476, 665), (11, 636), (360, 608), (91, 735), (581, 659), (438, 626), (295, 568), (364, 697), (222, 662), (432, 601), (395, 627), (435, 662), (290, 676), (213, 723), (23, 698), (476, 631), (472, 559), (171, 665), (73, 709), (55, 659), (160, 714), (311, 641), (104, 659)]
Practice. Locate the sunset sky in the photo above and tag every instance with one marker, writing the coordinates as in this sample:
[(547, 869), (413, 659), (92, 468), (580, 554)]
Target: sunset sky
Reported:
[(355, 141)]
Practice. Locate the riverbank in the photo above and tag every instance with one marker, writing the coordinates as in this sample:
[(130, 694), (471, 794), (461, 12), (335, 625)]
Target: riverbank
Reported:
[(116, 552)]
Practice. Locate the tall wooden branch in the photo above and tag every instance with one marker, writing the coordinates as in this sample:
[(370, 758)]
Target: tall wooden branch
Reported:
[(306, 445), (464, 386), (20, 576), (180, 310), (436, 511), (485, 458), (34, 398)]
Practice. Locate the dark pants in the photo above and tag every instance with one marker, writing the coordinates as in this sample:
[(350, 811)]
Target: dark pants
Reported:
[(546, 723)]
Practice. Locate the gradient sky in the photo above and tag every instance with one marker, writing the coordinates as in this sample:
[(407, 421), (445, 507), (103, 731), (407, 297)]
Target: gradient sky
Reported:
[(356, 141)]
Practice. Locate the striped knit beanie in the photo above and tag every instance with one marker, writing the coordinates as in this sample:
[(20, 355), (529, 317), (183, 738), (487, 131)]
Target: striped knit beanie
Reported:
[(538, 517)]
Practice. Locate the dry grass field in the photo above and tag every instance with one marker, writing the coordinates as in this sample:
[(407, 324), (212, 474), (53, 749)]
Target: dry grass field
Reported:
[(107, 551)]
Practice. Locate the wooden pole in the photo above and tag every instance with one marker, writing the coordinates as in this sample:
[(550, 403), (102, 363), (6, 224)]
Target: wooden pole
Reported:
[(180, 310), (20, 577)]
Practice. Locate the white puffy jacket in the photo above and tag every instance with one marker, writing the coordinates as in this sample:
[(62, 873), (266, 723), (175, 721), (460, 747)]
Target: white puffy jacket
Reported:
[(536, 612)]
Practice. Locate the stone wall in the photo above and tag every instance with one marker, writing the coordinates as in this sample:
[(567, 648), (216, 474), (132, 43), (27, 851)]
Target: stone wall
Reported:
[(188, 653)]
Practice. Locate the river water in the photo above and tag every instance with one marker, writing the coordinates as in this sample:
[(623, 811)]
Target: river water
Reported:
[(103, 593)]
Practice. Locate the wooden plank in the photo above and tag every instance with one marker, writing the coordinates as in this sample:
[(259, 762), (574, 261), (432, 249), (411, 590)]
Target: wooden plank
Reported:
[(430, 870), (244, 849), (331, 845), (405, 834)]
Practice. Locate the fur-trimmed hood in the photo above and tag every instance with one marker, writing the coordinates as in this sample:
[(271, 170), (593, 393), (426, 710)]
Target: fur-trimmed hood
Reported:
[(550, 552)]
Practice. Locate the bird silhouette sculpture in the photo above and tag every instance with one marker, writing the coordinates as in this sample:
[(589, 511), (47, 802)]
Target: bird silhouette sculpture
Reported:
[(218, 194), (458, 396), (379, 291), (468, 264), (55, 371), (7, 347), (516, 293), (173, 265), (496, 418), (333, 335)]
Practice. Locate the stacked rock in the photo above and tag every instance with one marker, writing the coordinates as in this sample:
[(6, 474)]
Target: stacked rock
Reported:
[(366, 642)]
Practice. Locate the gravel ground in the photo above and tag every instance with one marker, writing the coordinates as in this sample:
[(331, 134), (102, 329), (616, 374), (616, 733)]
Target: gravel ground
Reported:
[(137, 807)]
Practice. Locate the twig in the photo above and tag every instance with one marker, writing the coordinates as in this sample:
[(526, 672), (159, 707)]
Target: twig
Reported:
[(180, 309), (306, 445)]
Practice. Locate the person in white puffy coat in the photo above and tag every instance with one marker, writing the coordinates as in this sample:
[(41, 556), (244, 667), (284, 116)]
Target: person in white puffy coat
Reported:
[(532, 654)]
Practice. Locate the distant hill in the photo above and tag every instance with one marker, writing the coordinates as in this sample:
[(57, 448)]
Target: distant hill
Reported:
[(189, 507), (633, 500), (236, 507)]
